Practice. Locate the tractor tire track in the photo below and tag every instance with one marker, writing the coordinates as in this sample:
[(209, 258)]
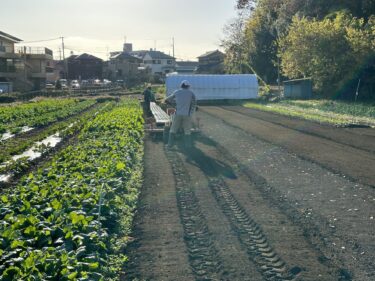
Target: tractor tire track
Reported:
[(237, 215), (251, 235), (290, 193), (203, 256)]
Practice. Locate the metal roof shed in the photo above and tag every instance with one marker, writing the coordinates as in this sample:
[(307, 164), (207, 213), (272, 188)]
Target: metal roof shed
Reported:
[(216, 87), (298, 88)]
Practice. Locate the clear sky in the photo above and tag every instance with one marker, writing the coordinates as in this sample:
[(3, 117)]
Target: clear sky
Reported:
[(101, 26)]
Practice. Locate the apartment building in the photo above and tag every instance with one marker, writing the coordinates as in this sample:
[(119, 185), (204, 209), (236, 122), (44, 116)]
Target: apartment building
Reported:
[(11, 65), (25, 67)]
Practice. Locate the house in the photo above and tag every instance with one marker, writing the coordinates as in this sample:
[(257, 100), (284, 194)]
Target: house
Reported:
[(186, 67), (25, 67), (11, 64), (211, 62), (158, 62), (122, 66), (84, 66), (37, 61)]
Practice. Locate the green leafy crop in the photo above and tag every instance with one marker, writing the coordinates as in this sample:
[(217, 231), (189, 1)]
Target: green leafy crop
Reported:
[(62, 221)]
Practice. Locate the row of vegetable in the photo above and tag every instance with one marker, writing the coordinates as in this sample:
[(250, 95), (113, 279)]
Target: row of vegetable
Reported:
[(65, 129), (40, 113), (70, 219)]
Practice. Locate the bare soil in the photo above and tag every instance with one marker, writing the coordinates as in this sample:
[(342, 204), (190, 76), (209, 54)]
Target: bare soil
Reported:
[(258, 197)]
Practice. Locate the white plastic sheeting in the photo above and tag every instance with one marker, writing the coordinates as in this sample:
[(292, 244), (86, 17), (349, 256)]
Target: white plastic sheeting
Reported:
[(216, 87)]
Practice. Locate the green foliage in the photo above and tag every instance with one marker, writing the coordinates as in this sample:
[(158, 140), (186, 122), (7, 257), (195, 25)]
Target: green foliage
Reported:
[(340, 107), (68, 127), (337, 113), (41, 113), (330, 51), (265, 23), (60, 222)]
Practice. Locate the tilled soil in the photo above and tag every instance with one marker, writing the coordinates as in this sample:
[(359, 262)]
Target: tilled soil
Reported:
[(256, 199)]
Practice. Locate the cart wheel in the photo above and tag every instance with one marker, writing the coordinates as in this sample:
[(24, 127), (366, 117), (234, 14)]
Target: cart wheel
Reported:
[(166, 134)]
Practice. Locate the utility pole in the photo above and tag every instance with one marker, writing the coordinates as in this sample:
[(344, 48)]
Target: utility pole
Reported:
[(65, 62), (25, 66), (357, 92), (278, 75), (173, 45), (60, 53)]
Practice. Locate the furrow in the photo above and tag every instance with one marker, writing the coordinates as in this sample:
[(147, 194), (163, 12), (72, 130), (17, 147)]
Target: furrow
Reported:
[(250, 234)]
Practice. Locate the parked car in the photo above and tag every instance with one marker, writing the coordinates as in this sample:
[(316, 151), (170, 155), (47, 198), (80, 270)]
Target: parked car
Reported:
[(50, 86), (97, 83), (63, 83), (75, 84), (120, 83), (107, 82)]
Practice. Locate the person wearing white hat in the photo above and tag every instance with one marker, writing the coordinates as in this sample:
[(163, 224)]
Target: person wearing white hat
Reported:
[(185, 102)]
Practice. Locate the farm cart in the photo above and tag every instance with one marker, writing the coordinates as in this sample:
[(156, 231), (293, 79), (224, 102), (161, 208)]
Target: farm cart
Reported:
[(161, 121)]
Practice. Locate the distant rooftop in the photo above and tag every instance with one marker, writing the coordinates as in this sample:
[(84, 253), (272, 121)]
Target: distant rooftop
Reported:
[(125, 55), (210, 53), (153, 54), (9, 37), (187, 63), (83, 56)]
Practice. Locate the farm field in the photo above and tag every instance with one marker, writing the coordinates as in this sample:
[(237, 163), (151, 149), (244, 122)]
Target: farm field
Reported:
[(260, 196), (65, 219)]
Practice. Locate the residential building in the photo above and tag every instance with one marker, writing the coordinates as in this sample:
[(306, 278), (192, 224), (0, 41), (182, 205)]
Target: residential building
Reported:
[(11, 64), (186, 67), (25, 67), (122, 65), (84, 66), (158, 62), (37, 61), (211, 62)]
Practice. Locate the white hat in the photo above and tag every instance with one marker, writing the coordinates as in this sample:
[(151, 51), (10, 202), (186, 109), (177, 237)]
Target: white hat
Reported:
[(185, 84)]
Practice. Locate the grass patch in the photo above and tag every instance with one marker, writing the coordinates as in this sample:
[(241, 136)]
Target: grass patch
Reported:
[(336, 113)]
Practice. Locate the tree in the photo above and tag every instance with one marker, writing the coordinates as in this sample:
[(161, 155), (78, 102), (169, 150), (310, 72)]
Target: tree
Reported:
[(331, 51), (268, 21), (234, 45)]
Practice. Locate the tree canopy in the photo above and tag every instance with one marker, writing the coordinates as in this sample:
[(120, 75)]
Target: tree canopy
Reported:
[(331, 41)]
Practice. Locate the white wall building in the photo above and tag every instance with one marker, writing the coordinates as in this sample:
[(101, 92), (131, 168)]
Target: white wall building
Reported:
[(156, 61)]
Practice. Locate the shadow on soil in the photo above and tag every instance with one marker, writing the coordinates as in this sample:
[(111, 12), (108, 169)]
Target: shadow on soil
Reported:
[(208, 165)]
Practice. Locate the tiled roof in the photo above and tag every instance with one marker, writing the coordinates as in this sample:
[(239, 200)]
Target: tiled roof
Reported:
[(153, 54), (187, 63), (125, 55), (210, 53), (86, 56)]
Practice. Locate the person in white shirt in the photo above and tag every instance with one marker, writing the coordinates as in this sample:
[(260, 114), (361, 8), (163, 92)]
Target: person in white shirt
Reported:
[(185, 102)]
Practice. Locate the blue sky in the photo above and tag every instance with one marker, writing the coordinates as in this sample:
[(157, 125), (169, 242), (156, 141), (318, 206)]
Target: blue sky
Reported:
[(99, 26)]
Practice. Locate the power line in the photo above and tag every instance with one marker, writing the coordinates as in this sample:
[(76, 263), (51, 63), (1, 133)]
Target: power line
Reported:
[(43, 40)]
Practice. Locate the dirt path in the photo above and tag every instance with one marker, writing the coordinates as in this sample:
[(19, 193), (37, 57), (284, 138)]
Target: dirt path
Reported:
[(159, 252), (238, 208)]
